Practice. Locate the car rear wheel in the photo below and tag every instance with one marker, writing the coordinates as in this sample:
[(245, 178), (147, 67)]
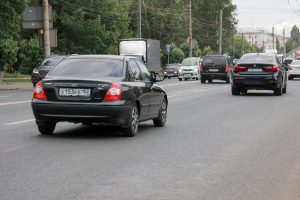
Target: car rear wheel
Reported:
[(244, 91), (133, 123), (46, 128), (169, 77), (278, 91), (284, 90), (162, 117), (210, 80), (227, 80), (235, 90), (180, 79), (202, 80)]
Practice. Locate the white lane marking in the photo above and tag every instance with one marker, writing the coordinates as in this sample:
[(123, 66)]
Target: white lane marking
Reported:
[(226, 86), (176, 84), (5, 96), (20, 122), (14, 102)]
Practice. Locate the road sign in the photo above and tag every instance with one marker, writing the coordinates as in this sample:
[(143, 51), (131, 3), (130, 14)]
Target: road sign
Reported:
[(33, 17), (168, 48)]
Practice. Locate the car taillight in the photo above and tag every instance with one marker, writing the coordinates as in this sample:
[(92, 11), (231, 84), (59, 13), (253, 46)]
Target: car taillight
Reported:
[(38, 92), (271, 68), (227, 68), (238, 68), (113, 93), (201, 67)]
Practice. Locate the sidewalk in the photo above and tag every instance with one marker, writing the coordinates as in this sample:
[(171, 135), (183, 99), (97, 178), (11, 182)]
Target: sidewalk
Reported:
[(16, 86)]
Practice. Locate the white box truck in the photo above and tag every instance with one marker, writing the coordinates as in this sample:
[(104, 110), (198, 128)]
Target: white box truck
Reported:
[(147, 49)]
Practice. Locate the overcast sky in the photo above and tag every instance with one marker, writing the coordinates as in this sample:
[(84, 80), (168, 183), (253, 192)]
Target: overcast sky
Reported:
[(267, 13)]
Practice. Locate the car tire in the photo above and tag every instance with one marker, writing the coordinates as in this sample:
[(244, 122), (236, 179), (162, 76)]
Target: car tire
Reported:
[(235, 90), (197, 78), (244, 91), (202, 80), (278, 91), (209, 80), (162, 116), (169, 77), (185, 79), (46, 128), (180, 79), (227, 80), (132, 127), (291, 78), (284, 90)]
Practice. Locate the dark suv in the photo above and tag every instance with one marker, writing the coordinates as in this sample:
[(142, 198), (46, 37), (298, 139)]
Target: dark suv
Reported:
[(259, 71), (215, 67)]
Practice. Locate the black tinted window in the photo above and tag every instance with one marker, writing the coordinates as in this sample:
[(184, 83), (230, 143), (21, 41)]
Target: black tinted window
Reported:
[(89, 68), (257, 58), (134, 70), (214, 60)]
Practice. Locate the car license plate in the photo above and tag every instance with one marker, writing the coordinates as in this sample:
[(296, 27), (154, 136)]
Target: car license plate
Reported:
[(74, 92), (213, 70), (254, 70)]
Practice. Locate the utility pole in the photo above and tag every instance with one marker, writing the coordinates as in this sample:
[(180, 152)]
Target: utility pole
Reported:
[(273, 37), (190, 30), (139, 26), (47, 50), (284, 48), (242, 45), (220, 31)]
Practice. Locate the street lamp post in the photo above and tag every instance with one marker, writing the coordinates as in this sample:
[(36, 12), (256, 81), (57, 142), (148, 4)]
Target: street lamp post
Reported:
[(221, 28)]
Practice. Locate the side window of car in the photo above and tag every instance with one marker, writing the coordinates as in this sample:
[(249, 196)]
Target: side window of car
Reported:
[(144, 70), (134, 70)]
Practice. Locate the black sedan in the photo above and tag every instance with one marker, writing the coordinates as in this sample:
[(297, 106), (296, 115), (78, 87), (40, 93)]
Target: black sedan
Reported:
[(118, 90), (259, 71), (41, 71)]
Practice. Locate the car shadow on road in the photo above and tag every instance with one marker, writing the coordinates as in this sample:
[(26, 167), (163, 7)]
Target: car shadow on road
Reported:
[(94, 131)]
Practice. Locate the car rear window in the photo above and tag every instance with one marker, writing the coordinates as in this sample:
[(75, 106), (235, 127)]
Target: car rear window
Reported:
[(89, 68), (257, 58), (189, 62), (52, 61), (214, 60)]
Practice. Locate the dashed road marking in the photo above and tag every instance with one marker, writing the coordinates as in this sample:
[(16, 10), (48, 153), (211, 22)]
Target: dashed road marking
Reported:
[(20, 122), (14, 103)]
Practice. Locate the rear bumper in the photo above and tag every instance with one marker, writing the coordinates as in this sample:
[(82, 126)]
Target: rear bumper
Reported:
[(256, 82), (215, 75), (116, 114)]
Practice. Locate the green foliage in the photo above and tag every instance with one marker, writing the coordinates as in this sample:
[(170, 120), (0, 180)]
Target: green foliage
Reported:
[(207, 50), (10, 15), (176, 55), (8, 54), (16, 75), (241, 46), (29, 55)]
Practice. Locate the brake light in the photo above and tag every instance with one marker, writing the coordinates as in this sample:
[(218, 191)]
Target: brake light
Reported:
[(271, 68), (201, 67), (238, 68), (227, 68), (38, 92), (113, 93)]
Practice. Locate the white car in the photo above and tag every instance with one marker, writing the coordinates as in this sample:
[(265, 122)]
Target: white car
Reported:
[(189, 69), (294, 70)]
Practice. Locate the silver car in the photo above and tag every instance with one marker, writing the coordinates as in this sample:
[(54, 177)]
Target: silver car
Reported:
[(294, 70), (189, 69)]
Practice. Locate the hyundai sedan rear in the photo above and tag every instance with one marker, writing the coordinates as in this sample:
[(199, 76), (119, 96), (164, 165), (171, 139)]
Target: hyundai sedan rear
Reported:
[(259, 71), (118, 90)]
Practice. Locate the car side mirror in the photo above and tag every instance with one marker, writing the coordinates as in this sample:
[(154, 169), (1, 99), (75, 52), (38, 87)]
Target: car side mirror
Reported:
[(286, 68), (155, 77)]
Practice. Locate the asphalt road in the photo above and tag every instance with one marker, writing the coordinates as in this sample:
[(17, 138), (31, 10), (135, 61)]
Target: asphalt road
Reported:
[(214, 146)]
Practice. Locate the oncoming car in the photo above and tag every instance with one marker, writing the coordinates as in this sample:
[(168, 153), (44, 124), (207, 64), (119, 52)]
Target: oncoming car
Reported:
[(118, 90), (189, 69)]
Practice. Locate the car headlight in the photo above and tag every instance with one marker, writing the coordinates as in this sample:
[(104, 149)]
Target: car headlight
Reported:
[(179, 71), (175, 72), (36, 71), (165, 72)]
